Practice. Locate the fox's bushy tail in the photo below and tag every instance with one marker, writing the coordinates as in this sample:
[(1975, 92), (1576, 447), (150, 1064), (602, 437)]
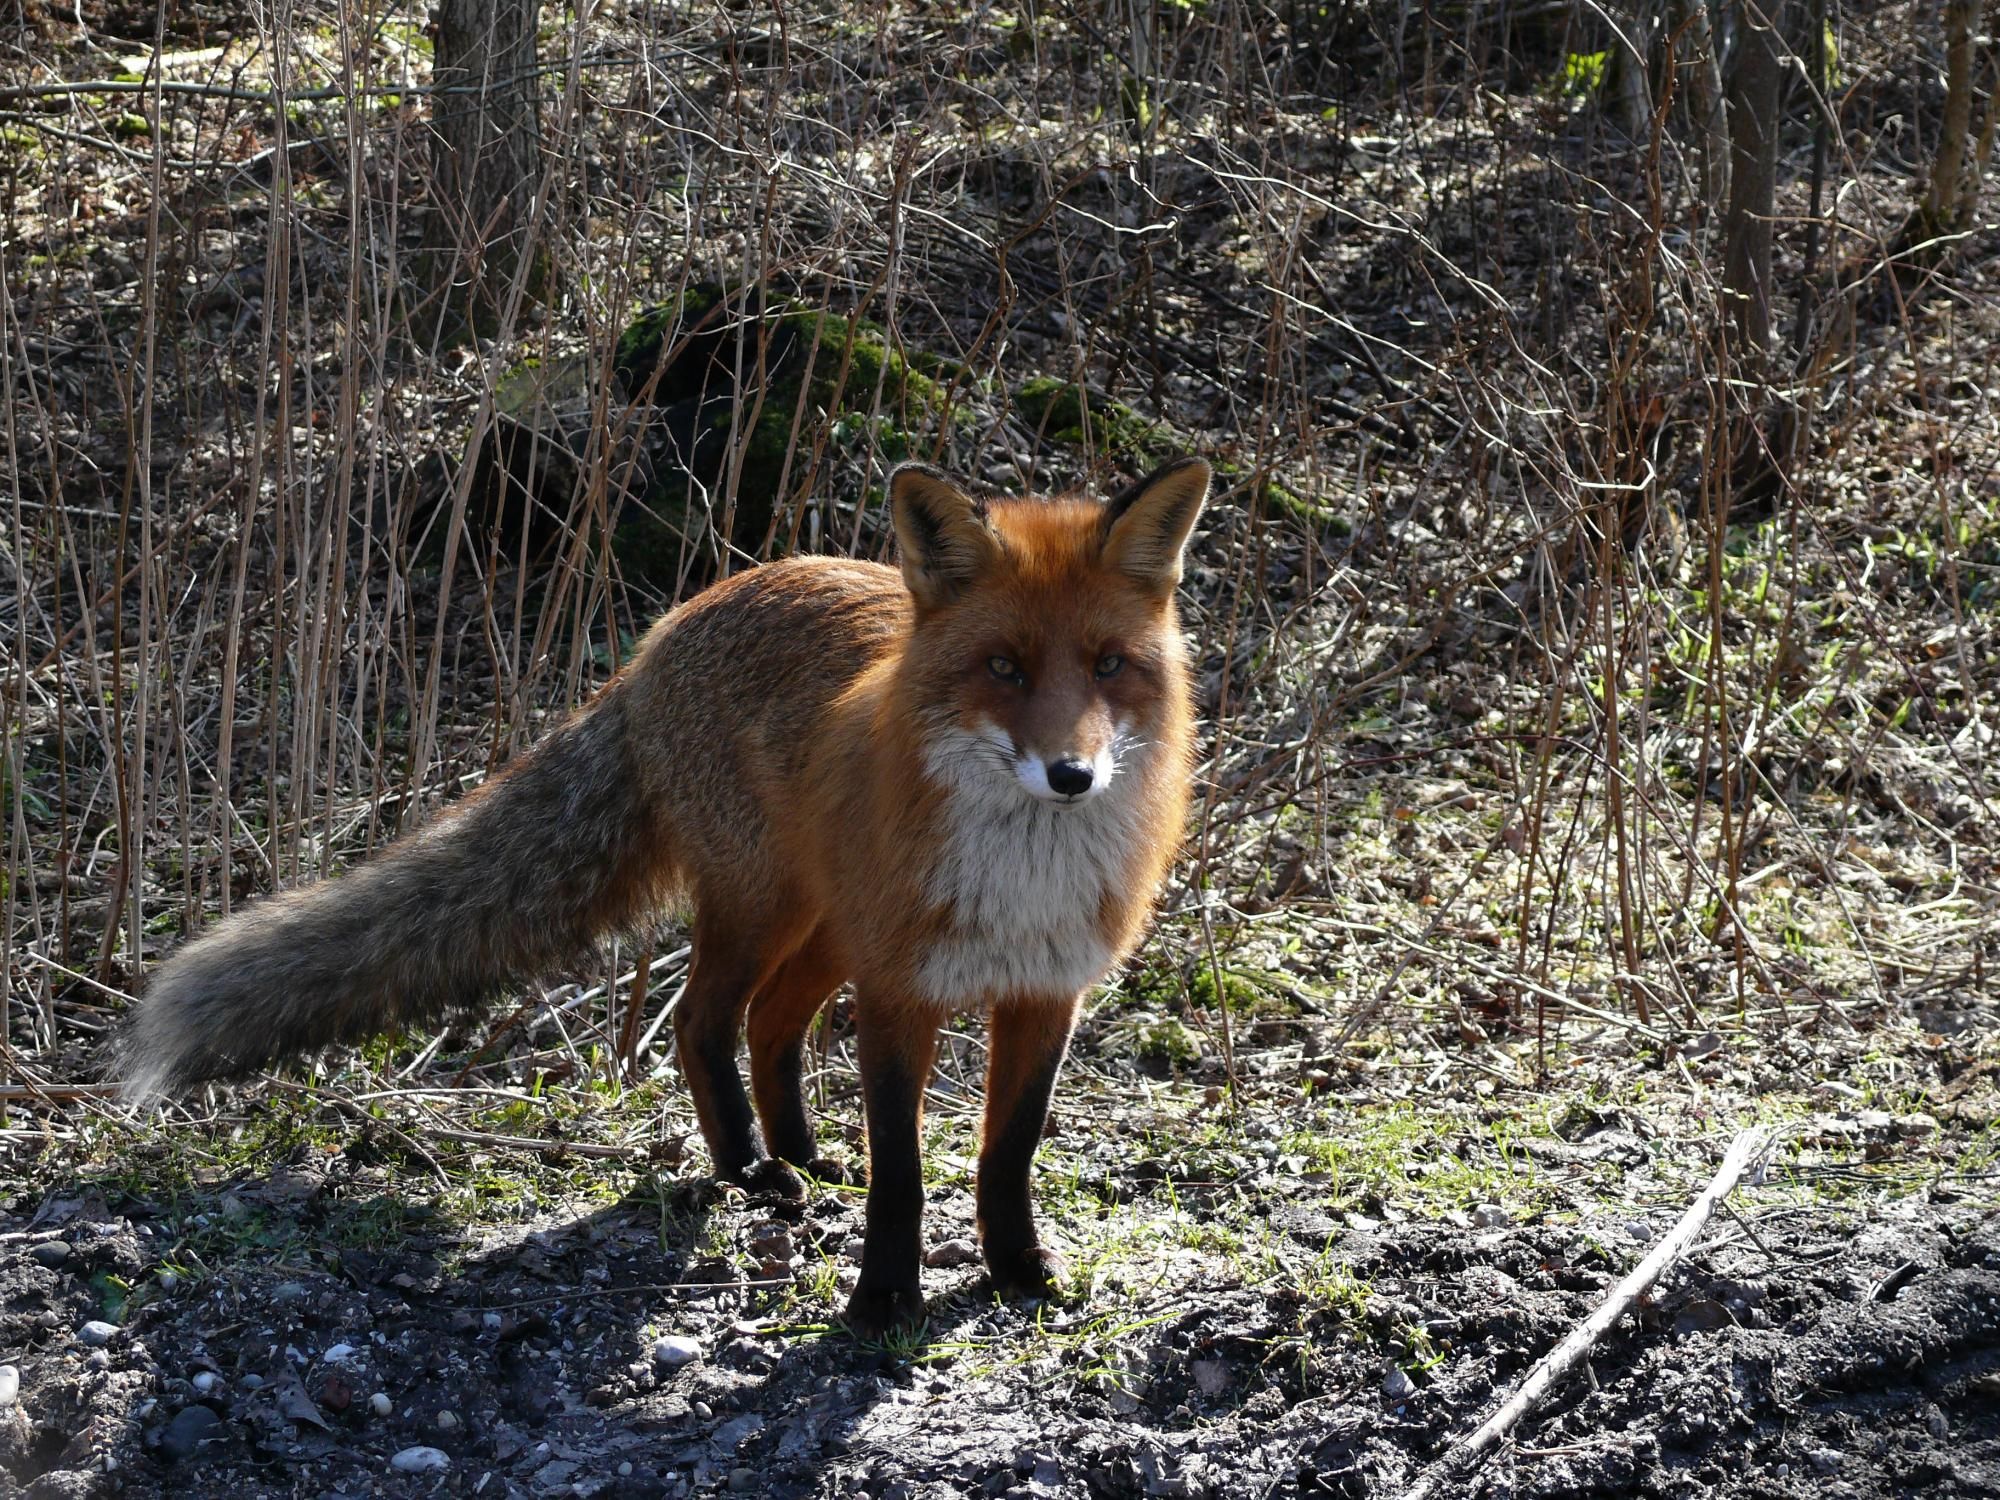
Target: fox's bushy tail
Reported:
[(523, 874)]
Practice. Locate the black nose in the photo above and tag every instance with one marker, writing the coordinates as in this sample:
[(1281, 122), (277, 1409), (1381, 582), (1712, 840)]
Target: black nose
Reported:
[(1069, 777)]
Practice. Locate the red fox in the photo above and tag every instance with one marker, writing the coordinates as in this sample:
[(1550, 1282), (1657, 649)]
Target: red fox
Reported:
[(957, 787)]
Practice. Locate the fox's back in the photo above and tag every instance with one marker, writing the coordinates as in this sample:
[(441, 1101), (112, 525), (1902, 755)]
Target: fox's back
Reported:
[(735, 688)]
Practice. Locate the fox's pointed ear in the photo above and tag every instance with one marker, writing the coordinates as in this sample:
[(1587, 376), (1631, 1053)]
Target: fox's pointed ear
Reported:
[(1146, 526), (941, 531)]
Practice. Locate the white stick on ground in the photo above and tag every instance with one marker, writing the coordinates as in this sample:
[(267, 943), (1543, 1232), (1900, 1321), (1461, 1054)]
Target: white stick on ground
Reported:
[(1747, 1148)]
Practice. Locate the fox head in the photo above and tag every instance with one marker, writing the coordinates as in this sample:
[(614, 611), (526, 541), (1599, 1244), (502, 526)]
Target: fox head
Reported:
[(1045, 651)]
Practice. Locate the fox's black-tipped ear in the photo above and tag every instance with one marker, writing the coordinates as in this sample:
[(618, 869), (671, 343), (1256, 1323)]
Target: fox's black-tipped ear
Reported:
[(942, 532), (1146, 526)]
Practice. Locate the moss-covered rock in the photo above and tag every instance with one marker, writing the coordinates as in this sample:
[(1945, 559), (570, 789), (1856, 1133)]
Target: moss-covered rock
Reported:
[(683, 360), (726, 393), (530, 465), (1062, 411), (1065, 412), (733, 397), (664, 352), (1282, 500)]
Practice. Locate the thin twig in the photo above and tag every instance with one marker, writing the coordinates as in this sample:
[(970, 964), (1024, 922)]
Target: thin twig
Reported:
[(547, 1148), (1748, 1147)]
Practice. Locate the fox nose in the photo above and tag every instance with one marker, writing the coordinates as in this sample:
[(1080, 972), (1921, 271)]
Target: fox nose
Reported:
[(1069, 776)]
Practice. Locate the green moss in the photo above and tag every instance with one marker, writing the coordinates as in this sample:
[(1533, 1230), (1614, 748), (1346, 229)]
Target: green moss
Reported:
[(1282, 500), (1073, 414), (872, 359), (816, 367), (1063, 411), (655, 330), (1247, 992), (1169, 1041)]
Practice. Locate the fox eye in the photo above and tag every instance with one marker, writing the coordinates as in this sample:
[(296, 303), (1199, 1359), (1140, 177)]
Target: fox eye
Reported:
[(1109, 666), (1006, 669)]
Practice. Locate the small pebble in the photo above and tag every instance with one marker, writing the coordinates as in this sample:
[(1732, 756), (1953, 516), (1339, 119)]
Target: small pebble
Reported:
[(339, 1354), (625, 1469), (51, 1253), (288, 1291), (97, 1333), (380, 1404), (675, 1350), (421, 1460), (207, 1382), (188, 1431), (491, 1322), (1211, 1376), (1396, 1385), (170, 1281), (253, 1381), (10, 1386), (447, 1420), (950, 1254), (702, 1410), (771, 1242)]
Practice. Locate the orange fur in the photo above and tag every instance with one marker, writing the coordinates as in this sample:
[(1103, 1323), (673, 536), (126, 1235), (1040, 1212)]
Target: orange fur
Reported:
[(956, 787)]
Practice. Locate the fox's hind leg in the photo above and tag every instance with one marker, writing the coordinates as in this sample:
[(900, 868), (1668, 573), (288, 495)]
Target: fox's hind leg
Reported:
[(726, 972), (1026, 1044), (780, 1014)]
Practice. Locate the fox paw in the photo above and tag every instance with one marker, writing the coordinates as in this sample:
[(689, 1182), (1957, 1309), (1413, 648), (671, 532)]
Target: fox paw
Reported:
[(875, 1312), (1026, 1274), (771, 1178)]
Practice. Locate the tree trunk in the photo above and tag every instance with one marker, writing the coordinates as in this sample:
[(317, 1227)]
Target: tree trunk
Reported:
[(1701, 70), (1947, 206), (1756, 77), (1631, 77), (486, 152)]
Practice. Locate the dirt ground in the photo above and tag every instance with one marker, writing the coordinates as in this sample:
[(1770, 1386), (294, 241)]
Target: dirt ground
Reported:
[(308, 1317)]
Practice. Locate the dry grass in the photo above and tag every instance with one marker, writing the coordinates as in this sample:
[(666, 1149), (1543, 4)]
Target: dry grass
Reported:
[(1537, 723)]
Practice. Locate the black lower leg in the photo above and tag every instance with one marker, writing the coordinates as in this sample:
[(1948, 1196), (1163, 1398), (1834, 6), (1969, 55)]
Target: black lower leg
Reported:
[(894, 1070), (788, 1130), (708, 1059), (1028, 1043)]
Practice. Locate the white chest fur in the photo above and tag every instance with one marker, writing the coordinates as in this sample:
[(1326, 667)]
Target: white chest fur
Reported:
[(1025, 882)]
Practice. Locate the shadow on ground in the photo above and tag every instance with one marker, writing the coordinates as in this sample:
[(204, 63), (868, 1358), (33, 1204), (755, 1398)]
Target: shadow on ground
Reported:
[(290, 1334)]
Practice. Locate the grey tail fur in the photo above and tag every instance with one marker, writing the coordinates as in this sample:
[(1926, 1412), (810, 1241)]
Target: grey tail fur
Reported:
[(525, 873)]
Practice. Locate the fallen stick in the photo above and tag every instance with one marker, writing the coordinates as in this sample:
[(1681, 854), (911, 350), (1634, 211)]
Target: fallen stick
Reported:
[(600, 1149), (1748, 1147), (55, 1093)]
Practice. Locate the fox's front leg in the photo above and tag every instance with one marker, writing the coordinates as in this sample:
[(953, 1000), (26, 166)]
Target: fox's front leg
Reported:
[(895, 1045), (1025, 1052)]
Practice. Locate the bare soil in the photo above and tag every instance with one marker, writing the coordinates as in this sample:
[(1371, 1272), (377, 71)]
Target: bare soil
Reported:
[(292, 1326)]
